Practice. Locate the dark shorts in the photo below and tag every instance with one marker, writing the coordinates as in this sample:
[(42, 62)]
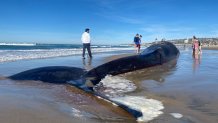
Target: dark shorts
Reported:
[(138, 45)]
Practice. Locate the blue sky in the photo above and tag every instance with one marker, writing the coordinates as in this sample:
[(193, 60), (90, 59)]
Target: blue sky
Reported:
[(110, 21)]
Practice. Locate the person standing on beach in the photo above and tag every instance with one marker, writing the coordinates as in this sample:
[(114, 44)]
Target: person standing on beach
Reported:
[(195, 45), (137, 43), (86, 40), (200, 51)]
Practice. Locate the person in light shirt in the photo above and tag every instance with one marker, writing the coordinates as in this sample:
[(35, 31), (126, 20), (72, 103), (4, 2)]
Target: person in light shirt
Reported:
[(86, 40)]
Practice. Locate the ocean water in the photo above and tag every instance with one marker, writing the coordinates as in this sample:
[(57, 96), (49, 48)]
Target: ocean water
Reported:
[(25, 51)]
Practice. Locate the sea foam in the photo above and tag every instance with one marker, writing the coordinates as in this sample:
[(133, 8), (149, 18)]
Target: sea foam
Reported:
[(14, 55), (116, 88), (149, 108), (113, 86), (176, 115), (17, 44)]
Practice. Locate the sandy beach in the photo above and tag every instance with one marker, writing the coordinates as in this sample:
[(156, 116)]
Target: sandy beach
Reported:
[(186, 86), (108, 61)]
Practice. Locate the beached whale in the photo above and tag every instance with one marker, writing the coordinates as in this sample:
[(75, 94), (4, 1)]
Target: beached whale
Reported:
[(156, 54)]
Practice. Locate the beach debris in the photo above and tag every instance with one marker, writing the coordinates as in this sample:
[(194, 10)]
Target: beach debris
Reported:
[(176, 115)]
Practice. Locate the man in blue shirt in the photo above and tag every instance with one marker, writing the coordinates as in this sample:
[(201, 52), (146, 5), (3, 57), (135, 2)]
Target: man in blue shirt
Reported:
[(137, 42)]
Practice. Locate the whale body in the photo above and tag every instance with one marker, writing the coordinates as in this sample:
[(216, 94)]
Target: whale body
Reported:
[(51, 74), (156, 54)]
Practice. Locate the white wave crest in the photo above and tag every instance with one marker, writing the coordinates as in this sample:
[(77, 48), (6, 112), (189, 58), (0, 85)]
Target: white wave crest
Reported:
[(14, 55), (17, 44)]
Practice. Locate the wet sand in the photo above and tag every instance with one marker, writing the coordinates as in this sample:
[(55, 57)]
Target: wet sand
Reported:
[(190, 91), (185, 86), (212, 47), (28, 105), (31, 101)]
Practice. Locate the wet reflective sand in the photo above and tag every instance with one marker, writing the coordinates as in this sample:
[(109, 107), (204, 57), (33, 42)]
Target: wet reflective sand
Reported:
[(25, 101), (187, 86)]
